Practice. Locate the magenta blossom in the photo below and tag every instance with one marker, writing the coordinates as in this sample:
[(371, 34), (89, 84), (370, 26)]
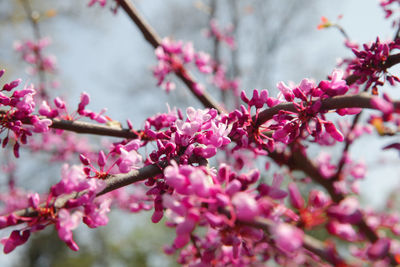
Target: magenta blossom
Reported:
[(287, 237), (67, 222)]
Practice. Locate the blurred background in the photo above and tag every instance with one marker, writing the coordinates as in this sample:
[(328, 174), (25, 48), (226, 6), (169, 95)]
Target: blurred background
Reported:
[(105, 55)]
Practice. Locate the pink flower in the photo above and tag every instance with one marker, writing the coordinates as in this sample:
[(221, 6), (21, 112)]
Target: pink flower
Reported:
[(72, 179), (170, 46), (273, 191), (325, 167), (285, 91), (245, 205), (379, 249), (183, 231), (176, 177), (17, 238), (258, 100), (288, 238), (201, 183), (26, 105), (233, 187), (203, 63), (318, 199), (174, 204), (342, 230), (96, 214), (59, 103), (46, 110), (85, 99), (347, 211), (188, 52), (336, 86), (101, 2), (333, 131), (41, 126), (65, 224), (295, 197), (11, 85), (101, 160), (224, 35), (129, 161), (34, 200), (169, 86), (187, 128)]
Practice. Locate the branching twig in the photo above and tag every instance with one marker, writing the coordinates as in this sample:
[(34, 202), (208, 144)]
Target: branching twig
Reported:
[(91, 128), (152, 37), (309, 243), (87, 128), (362, 100), (390, 62), (113, 182), (299, 161)]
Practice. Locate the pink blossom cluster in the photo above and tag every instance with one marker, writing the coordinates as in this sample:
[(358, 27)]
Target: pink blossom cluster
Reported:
[(222, 35), (103, 3), (352, 173), (32, 53), (200, 135), (387, 6), (223, 202), (17, 109), (221, 81), (286, 126), (86, 207), (92, 211), (173, 57), (125, 157), (369, 64), (60, 110)]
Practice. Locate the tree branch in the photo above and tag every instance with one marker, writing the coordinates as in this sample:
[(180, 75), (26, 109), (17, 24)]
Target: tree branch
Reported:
[(390, 62), (86, 127), (298, 161), (152, 37), (113, 182), (91, 128), (362, 100), (309, 243)]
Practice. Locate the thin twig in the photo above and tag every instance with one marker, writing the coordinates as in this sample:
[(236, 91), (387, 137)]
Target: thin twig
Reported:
[(91, 128), (348, 142), (33, 19), (86, 127)]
